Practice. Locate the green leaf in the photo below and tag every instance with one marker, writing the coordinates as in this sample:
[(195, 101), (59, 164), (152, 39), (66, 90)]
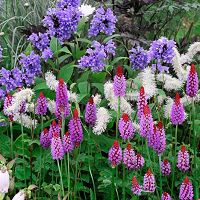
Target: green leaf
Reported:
[(116, 60), (84, 87), (55, 45), (41, 86), (99, 77), (99, 86), (65, 50), (66, 72), (111, 37)]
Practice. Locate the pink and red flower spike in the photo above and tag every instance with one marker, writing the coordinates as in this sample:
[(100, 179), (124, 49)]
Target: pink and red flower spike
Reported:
[(165, 167), (183, 162), (165, 196), (68, 145), (129, 157), (115, 154), (8, 102), (138, 161), (141, 103), (41, 108), (90, 112), (186, 190), (149, 184), (54, 127), (136, 188), (57, 150), (44, 138)]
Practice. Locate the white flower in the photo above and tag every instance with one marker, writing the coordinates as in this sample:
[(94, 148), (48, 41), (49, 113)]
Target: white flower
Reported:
[(73, 97), (19, 196), (125, 107), (51, 81), (4, 181), (136, 126), (168, 107), (86, 10), (132, 95), (148, 82), (51, 104), (103, 118), (97, 99), (30, 107), (170, 83)]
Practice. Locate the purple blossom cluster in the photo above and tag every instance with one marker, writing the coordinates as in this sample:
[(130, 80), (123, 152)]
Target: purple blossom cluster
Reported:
[(141, 103), (161, 51), (136, 188), (64, 4), (41, 108), (103, 22), (45, 140), (165, 196), (186, 190), (68, 145), (139, 58), (90, 112), (183, 162), (96, 56), (165, 167), (149, 184)]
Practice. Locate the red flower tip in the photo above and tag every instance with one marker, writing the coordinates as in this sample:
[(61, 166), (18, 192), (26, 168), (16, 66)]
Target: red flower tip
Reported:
[(55, 135), (146, 110), (166, 162), (45, 131), (165, 194), (149, 172), (160, 125), (129, 146), (77, 144), (125, 117), (61, 81), (116, 144), (19, 89), (67, 133), (134, 181), (154, 128), (186, 180), (192, 69), (41, 95), (142, 91), (183, 148), (53, 123), (91, 100), (177, 98), (138, 155), (9, 95), (75, 115), (119, 71)]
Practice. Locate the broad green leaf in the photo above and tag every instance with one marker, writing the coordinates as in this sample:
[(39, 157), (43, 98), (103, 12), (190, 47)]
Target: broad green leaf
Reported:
[(66, 72), (41, 86), (84, 87)]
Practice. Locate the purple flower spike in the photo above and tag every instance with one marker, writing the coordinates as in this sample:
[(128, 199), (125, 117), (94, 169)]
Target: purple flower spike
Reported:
[(75, 129), (192, 84), (41, 108), (165, 168), (126, 128), (91, 112), (136, 188), (186, 190), (153, 137), (68, 145), (138, 161), (44, 138), (62, 104), (141, 102), (149, 184), (57, 150), (146, 123), (128, 157), (177, 112), (115, 154), (8, 102), (119, 83), (165, 196), (53, 128), (183, 162)]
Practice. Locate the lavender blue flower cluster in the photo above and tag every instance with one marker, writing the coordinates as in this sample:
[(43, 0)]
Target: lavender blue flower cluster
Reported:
[(96, 56), (64, 4)]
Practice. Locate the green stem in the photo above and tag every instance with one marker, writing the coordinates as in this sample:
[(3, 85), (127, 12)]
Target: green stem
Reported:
[(160, 175), (123, 183), (61, 180), (76, 171), (118, 116), (113, 184), (63, 125), (11, 139), (68, 175)]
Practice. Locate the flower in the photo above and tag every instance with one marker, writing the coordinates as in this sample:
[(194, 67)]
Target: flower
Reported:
[(138, 161), (186, 190), (86, 10), (20, 196), (138, 58), (41, 108), (51, 81), (119, 83), (103, 22), (136, 188), (7, 103), (54, 127), (44, 138), (183, 162), (115, 154), (90, 112), (165, 167), (162, 52), (46, 54), (165, 196), (62, 104), (57, 150), (126, 128), (4, 180), (192, 84), (128, 157), (149, 182), (64, 4), (177, 113), (68, 145), (75, 128), (141, 102)]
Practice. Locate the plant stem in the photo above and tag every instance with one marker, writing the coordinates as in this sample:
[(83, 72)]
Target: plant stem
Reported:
[(40, 157), (118, 116), (61, 180), (68, 174), (123, 183), (11, 139), (113, 184), (160, 175), (63, 124), (76, 170)]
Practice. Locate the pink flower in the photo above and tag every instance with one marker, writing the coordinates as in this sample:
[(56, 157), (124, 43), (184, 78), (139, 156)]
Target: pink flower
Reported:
[(136, 188), (149, 184), (183, 162)]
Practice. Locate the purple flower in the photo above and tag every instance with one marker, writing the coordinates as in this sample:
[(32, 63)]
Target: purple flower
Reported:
[(46, 54), (2, 94), (126, 128), (54, 127), (75, 129), (138, 58), (192, 84), (8, 102), (141, 102), (128, 157), (149, 184), (68, 145), (138, 161), (41, 108), (1, 52), (62, 104), (183, 162), (57, 150), (119, 83), (165, 168), (136, 188), (115, 154), (153, 137), (44, 138), (161, 51), (146, 123), (186, 190), (90, 112), (96, 56), (165, 196), (22, 107), (103, 22), (64, 4), (177, 113)]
